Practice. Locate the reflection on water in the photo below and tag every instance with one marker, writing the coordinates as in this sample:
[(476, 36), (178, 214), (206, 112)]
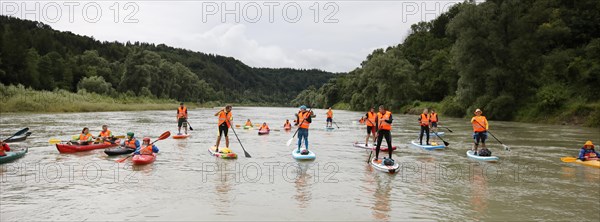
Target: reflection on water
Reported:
[(303, 185)]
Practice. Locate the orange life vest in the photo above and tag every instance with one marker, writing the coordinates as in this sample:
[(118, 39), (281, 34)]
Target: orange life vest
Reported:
[(302, 119), (248, 123), (131, 143), (371, 117), (105, 134), (424, 119), (479, 123), (225, 118), (146, 150), (181, 112), (383, 125), (433, 118), (266, 127), (287, 125), (329, 114), (84, 137), (2, 153)]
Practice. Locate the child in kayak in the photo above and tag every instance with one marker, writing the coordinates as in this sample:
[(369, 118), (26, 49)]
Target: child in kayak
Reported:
[(587, 152), (3, 148), (146, 148), (131, 142), (85, 138), (248, 123), (287, 125), (264, 127)]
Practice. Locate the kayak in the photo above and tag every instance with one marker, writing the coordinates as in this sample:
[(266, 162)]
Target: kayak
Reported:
[(482, 158), (592, 163), (222, 155), (66, 148), (372, 146), (182, 136), (287, 128), (384, 168), (433, 134), (263, 132), (11, 156), (428, 147), (118, 151), (18, 138), (143, 159), (297, 155), (247, 127)]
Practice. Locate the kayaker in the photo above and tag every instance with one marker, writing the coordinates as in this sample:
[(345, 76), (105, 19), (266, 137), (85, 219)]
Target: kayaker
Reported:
[(4, 148), (225, 118), (424, 122), (131, 142), (362, 120), (329, 117), (587, 152), (106, 135), (84, 138), (480, 127), (248, 123), (264, 126), (304, 118), (182, 116), (146, 148), (369, 119), (287, 125), (384, 128)]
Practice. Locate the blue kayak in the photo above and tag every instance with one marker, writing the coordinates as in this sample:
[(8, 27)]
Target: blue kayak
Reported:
[(428, 147), (310, 156), (482, 158)]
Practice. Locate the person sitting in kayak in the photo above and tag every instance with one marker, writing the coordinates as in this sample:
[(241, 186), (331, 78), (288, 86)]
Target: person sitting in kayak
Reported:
[(329, 117), (424, 122), (303, 118), (287, 124), (85, 138), (225, 118), (4, 148), (248, 123), (146, 148), (264, 127), (587, 152), (480, 127), (362, 120), (106, 135), (182, 116), (131, 142), (384, 127)]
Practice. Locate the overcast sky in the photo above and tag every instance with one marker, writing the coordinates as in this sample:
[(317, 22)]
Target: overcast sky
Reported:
[(268, 33)]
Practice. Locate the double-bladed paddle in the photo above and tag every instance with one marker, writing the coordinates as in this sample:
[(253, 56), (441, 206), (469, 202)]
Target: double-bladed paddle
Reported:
[(161, 137)]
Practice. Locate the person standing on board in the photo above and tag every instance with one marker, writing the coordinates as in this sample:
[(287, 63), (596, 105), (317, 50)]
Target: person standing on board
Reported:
[(370, 119), (433, 118), (182, 116), (480, 128), (303, 118), (329, 117), (225, 118), (424, 122), (384, 127)]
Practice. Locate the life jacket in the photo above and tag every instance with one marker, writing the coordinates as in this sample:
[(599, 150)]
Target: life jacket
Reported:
[(248, 123), (105, 134), (131, 143), (147, 150), (479, 124), (265, 127), (302, 119), (2, 149), (362, 120), (225, 118), (433, 118), (590, 155), (287, 125), (85, 137), (383, 125), (181, 112), (424, 119), (329, 114), (371, 117)]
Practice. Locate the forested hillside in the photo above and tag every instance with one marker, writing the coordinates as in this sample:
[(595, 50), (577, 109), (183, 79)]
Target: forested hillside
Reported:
[(535, 60), (36, 56)]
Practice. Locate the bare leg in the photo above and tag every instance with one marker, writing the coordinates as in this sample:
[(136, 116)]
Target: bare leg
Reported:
[(218, 141), (227, 141)]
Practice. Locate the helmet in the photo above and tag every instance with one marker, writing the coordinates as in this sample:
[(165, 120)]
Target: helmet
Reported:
[(146, 139), (130, 134), (303, 107), (589, 143)]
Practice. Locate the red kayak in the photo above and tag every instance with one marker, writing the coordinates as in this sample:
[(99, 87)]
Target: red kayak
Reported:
[(182, 136), (66, 148), (263, 132), (287, 128), (143, 159)]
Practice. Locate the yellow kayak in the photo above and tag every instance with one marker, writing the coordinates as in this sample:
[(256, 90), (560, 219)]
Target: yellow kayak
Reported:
[(592, 163)]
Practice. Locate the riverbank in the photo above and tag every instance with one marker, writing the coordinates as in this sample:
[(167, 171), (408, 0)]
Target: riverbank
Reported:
[(21, 99)]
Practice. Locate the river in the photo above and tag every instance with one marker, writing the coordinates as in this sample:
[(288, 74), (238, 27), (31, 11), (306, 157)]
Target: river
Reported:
[(186, 183)]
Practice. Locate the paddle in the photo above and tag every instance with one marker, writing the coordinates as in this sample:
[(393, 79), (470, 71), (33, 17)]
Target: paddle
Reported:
[(289, 142), (161, 137), (335, 124), (445, 143), (236, 136), (20, 132), (505, 146), (449, 130), (192, 129)]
